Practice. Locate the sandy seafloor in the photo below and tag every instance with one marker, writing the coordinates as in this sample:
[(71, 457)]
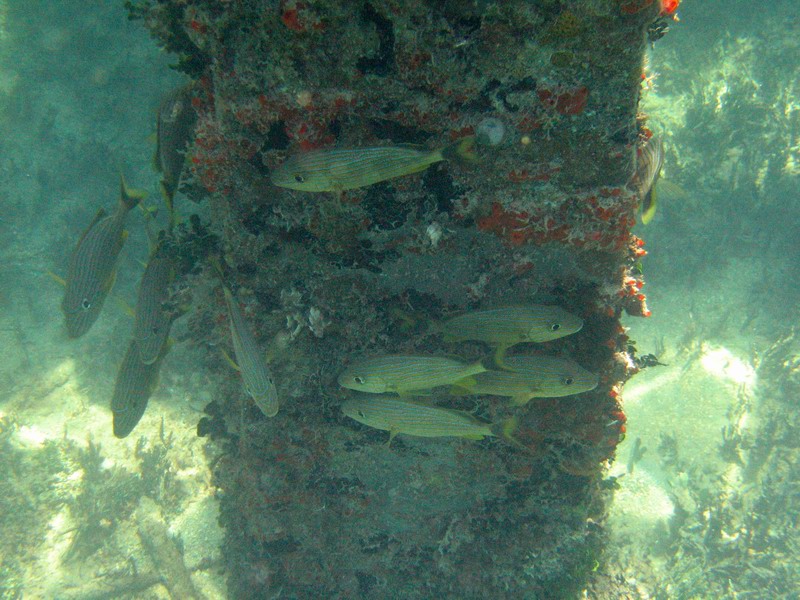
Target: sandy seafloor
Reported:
[(79, 89)]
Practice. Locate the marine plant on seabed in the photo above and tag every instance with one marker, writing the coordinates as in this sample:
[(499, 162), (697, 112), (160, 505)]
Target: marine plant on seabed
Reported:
[(739, 541), (26, 501)]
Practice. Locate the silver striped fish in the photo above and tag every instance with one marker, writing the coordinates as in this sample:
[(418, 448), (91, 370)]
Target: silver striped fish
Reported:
[(153, 319), (92, 266), (175, 128), (532, 377), (402, 374), (395, 415), (339, 169), (250, 361), (136, 382), (512, 325), (650, 159)]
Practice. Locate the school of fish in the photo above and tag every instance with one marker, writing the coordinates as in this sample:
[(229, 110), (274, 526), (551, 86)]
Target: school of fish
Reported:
[(386, 387), (388, 383)]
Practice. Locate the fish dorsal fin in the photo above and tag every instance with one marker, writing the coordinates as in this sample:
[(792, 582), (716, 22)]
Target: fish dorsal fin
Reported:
[(670, 190), (412, 146), (101, 214), (57, 278)]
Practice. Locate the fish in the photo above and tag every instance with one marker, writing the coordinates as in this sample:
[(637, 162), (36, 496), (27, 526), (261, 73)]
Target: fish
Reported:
[(339, 169), (507, 326), (648, 169), (402, 374), (175, 126), (527, 377), (136, 381), (409, 417), (92, 266), (256, 375), (152, 318)]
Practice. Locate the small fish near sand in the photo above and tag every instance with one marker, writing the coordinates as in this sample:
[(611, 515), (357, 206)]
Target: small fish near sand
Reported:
[(529, 377), (92, 266), (250, 361), (402, 374), (507, 326), (153, 318), (175, 128), (340, 169), (408, 417), (135, 383)]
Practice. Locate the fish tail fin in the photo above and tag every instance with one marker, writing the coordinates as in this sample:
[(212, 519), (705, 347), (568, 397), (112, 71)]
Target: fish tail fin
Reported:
[(495, 362), (168, 193), (150, 213), (434, 327), (464, 387), (649, 205), (499, 357), (462, 150), (460, 389), (216, 264), (129, 197)]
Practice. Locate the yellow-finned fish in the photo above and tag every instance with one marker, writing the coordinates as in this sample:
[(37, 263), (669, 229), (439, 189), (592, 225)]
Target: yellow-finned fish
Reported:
[(92, 266), (136, 382), (402, 374), (250, 361), (532, 377), (396, 415), (152, 318), (507, 326), (175, 129), (339, 169), (650, 159)]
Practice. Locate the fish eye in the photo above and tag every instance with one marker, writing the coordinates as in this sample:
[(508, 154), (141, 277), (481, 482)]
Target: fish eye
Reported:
[(299, 178), (568, 381), (358, 380), (86, 304), (555, 326)]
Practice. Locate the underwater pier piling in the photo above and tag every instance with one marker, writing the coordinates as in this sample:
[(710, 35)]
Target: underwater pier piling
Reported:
[(315, 504)]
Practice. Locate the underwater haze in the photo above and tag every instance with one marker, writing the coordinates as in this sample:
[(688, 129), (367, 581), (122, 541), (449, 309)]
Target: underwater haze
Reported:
[(188, 411)]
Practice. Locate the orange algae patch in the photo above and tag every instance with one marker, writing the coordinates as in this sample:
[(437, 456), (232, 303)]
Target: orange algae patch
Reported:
[(509, 225), (669, 6)]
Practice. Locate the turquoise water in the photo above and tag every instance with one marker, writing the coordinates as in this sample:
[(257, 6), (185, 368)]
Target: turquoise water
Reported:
[(707, 510)]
